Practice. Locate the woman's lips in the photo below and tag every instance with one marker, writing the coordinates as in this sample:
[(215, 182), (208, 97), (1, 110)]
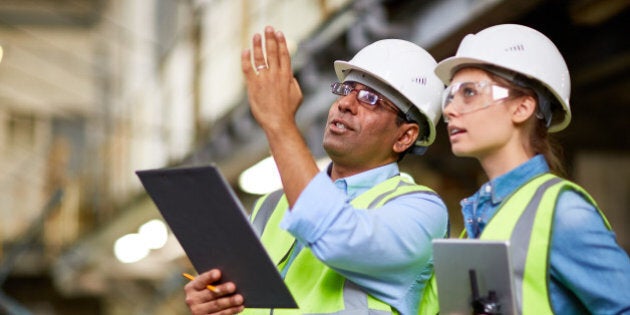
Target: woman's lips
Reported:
[(453, 131)]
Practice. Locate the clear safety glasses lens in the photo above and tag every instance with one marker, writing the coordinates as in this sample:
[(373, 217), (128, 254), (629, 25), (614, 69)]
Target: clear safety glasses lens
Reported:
[(340, 88), (364, 96), (471, 96)]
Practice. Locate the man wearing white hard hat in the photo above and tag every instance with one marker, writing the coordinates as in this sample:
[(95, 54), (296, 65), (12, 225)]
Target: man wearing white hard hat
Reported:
[(508, 88), (356, 238)]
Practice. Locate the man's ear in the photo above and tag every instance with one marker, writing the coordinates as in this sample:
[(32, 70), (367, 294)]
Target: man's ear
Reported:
[(408, 135), (525, 108)]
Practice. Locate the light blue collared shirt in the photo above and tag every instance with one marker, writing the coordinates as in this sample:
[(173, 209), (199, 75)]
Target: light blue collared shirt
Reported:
[(590, 272), (386, 250)]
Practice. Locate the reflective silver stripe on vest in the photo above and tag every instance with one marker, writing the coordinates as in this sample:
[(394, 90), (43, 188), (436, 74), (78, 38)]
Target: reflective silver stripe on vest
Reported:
[(265, 211), (355, 302), (519, 240)]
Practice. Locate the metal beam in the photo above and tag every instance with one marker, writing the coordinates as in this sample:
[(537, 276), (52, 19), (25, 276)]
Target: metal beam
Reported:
[(75, 13)]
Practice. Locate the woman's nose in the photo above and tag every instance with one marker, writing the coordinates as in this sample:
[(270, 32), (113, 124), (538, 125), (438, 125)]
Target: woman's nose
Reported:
[(448, 112)]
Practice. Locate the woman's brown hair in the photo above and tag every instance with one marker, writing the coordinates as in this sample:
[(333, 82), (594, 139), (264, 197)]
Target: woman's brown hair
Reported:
[(540, 140)]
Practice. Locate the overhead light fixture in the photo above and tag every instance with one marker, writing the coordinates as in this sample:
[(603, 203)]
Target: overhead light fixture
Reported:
[(154, 234), (134, 247), (263, 177), (130, 248)]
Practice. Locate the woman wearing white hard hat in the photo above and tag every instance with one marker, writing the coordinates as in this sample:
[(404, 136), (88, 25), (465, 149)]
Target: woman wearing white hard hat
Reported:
[(508, 87)]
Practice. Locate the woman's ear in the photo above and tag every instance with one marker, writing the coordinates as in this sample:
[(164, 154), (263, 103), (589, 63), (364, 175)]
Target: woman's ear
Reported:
[(525, 108), (409, 134)]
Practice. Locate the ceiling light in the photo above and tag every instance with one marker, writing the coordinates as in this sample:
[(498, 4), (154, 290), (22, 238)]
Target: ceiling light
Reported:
[(154, 234), (130, 248)]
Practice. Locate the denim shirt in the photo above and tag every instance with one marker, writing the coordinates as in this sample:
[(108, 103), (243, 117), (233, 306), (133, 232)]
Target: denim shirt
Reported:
[(590, 272), (386, 250)]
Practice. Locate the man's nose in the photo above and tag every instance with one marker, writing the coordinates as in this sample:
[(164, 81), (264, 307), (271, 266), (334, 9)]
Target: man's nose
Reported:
[(348, 103)]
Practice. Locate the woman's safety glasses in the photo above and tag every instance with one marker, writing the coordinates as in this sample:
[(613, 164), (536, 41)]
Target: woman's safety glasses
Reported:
[(366, 97), (467, 97)]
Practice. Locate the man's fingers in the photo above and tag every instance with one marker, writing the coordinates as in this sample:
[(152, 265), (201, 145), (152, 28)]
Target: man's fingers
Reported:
[(283, 52), (259, 57), (200, 300), (203, 280), (296, 91), (228, 302), (226, 305), (271, 46), (246, 63)]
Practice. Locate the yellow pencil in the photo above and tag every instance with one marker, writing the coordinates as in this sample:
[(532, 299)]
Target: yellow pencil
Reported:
[(210, 287)]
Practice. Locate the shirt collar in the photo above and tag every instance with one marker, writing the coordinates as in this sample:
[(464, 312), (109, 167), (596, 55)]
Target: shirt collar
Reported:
[(504, 185), (359, 183)]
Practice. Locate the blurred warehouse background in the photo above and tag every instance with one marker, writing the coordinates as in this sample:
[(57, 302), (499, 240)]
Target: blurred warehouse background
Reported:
[(93, 90)]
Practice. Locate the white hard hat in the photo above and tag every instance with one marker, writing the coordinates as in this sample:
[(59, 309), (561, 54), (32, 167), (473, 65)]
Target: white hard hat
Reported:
[(403, 72), (521, 50)]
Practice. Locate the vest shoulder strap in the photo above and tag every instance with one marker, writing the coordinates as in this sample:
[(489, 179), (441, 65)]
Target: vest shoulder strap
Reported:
[(569, 185), (264, 209), (388, 190)]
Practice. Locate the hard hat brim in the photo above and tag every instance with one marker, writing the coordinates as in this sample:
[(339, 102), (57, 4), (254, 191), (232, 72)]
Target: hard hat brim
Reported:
[(447, 67), (343, 68)]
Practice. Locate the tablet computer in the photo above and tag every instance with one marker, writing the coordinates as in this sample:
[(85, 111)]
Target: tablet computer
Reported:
[(472, 273), (211, 224)]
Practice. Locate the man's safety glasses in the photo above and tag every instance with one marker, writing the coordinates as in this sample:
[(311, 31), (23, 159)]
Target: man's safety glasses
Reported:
[(467, 97), (366, 97)]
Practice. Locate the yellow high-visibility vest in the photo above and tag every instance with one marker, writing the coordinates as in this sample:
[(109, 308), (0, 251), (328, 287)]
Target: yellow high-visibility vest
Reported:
[(525, 219), (318, 289)]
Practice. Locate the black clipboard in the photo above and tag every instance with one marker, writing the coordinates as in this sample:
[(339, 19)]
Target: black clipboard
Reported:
[(454, 259), (212, 227)]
